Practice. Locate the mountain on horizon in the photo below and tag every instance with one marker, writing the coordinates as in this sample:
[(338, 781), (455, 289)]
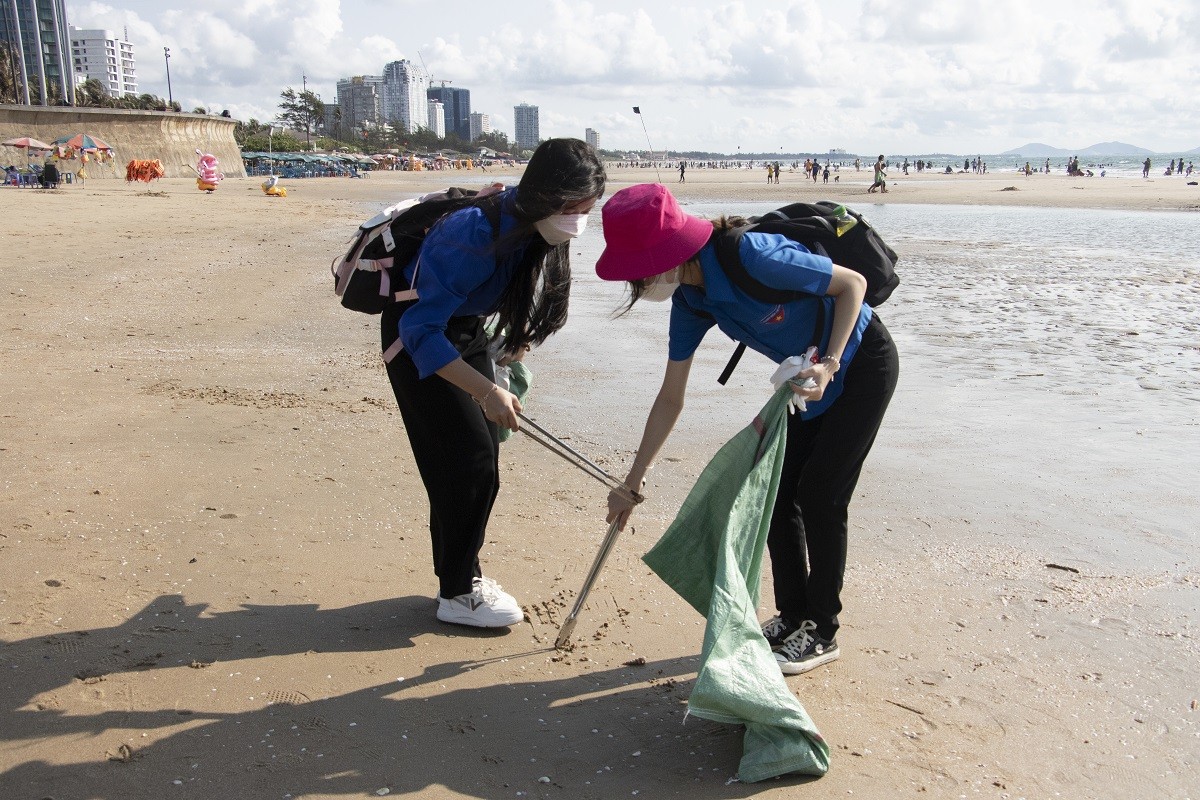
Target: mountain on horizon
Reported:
[(1036, 150), (1039, 150)]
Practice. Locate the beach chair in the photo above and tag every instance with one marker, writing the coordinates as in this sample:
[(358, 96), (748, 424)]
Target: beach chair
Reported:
[(50, 177)]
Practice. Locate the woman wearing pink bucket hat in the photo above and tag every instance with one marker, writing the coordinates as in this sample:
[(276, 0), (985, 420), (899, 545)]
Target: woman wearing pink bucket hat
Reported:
[(664, 253)]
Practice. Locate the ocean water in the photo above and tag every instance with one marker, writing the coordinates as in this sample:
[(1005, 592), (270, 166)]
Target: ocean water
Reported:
[(1050, 383), (1116, 166), (1125, 166)]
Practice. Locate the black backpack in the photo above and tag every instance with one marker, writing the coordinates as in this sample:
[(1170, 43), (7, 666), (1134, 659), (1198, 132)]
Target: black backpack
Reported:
[(825, 228), (370, 276)]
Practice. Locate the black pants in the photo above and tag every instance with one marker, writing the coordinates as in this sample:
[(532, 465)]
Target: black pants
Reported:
[(824, 457), (457, 453)]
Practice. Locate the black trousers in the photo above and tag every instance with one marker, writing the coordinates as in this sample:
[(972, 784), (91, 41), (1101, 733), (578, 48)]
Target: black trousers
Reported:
[(821, 465), (457, 453)]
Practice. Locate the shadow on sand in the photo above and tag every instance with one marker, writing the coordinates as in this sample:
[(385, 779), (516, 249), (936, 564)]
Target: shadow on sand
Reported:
[(599, 733)]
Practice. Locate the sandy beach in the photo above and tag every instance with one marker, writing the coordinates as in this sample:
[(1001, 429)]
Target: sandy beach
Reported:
[(215, 577)]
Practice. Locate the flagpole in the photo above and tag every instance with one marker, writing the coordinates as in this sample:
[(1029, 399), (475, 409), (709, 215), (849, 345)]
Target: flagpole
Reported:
[(638, 110)]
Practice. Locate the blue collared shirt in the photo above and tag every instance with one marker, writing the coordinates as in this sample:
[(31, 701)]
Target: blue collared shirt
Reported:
[(459, 276), (776, 331)]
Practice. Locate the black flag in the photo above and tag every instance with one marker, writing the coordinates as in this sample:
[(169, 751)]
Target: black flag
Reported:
[(637, 109)]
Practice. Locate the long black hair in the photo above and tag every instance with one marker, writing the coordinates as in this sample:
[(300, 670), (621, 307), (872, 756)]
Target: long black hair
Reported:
[(561, 173)]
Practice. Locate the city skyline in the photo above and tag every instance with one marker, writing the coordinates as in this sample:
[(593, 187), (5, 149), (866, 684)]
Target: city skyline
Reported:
[(867, 75)]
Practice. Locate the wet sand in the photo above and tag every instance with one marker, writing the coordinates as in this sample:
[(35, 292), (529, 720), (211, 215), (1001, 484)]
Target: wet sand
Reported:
[(214, 567)]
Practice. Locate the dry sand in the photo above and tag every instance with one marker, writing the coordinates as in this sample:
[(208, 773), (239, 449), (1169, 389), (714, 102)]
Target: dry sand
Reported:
[(215, 577)]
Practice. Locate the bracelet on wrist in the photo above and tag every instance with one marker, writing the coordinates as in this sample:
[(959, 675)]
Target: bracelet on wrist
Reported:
[(832, 361), (482, 401)]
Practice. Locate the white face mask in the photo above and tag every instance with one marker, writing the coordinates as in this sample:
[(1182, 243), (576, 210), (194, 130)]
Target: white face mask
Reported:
[(561, 228), (661, 287)]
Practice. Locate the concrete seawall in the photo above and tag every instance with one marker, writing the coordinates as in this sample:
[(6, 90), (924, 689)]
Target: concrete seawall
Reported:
[(171, 138)]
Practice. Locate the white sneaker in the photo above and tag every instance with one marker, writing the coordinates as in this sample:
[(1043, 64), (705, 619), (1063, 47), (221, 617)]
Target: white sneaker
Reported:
[(486, 606)]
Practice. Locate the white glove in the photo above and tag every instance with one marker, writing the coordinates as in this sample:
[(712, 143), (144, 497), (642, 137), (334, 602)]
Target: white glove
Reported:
[(789, 368)]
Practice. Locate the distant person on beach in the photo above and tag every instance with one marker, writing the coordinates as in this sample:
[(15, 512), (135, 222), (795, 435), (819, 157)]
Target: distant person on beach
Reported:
[(682, 167), (443, 377), (1146, 168), (665, 254), (879, 183)]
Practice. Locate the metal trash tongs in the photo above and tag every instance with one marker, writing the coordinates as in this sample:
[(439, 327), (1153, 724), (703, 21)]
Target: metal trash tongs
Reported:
[(565, 451)]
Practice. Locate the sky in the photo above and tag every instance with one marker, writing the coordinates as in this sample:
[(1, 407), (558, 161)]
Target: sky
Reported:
[(867, 76)]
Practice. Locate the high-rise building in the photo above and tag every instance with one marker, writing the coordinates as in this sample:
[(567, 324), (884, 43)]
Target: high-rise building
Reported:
[(437, 119), (525, 122), (480, 124), (458, 108), (360, 100), (592, 138), (39, 52), (100, 55), (405, 103)]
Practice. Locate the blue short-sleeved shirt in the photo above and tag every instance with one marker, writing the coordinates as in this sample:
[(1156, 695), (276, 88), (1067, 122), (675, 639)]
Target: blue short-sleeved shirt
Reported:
[(459, 276), (776, 331)]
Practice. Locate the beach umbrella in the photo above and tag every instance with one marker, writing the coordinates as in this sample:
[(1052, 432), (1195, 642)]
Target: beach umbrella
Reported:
[(28, 143), (82, 141)]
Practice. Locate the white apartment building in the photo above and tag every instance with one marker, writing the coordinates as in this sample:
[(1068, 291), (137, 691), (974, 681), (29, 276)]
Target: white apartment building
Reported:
[(405, 102), (101, 55), (525, 119), (437, 119), (480, 124), (592, 138)]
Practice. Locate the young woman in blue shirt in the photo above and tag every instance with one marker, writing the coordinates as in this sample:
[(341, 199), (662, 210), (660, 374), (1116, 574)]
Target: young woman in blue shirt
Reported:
[(664, 253), (466, 271)]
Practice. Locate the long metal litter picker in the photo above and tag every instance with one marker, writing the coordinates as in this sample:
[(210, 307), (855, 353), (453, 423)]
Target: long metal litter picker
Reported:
[(568, 453)]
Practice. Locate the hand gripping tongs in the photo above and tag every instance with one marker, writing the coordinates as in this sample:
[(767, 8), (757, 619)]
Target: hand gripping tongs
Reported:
[(565, 451)]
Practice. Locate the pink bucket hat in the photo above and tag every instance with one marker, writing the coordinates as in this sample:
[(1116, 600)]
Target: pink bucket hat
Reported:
[(646, 233)]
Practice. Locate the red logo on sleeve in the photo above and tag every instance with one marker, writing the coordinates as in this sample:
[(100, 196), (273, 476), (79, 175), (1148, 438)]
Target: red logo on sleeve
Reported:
[(775, 317)]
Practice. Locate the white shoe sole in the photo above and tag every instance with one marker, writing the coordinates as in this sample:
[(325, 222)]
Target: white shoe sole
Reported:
[(480, 618), (800, 667)]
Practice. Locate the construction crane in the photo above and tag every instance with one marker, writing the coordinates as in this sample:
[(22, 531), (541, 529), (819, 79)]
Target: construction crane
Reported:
[(428, 74)]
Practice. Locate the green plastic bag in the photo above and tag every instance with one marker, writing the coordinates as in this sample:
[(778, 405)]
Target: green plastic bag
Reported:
[(712, 556), (519, 380)]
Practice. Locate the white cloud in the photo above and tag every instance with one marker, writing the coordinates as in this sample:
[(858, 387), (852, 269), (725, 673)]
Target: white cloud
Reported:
[(897, 75)]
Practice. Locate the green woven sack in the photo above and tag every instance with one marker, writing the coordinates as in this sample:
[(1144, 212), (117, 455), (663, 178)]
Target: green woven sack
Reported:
[(712, 556)]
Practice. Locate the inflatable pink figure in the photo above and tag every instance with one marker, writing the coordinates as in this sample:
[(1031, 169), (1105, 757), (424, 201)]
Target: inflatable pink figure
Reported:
[(206, 171)]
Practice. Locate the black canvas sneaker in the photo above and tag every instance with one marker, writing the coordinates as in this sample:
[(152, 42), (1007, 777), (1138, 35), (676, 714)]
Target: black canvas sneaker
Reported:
[(776, 630), (805, 650)]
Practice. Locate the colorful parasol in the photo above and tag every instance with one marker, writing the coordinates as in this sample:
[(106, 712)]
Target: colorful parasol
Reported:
[(28, 143), (83, 142)]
